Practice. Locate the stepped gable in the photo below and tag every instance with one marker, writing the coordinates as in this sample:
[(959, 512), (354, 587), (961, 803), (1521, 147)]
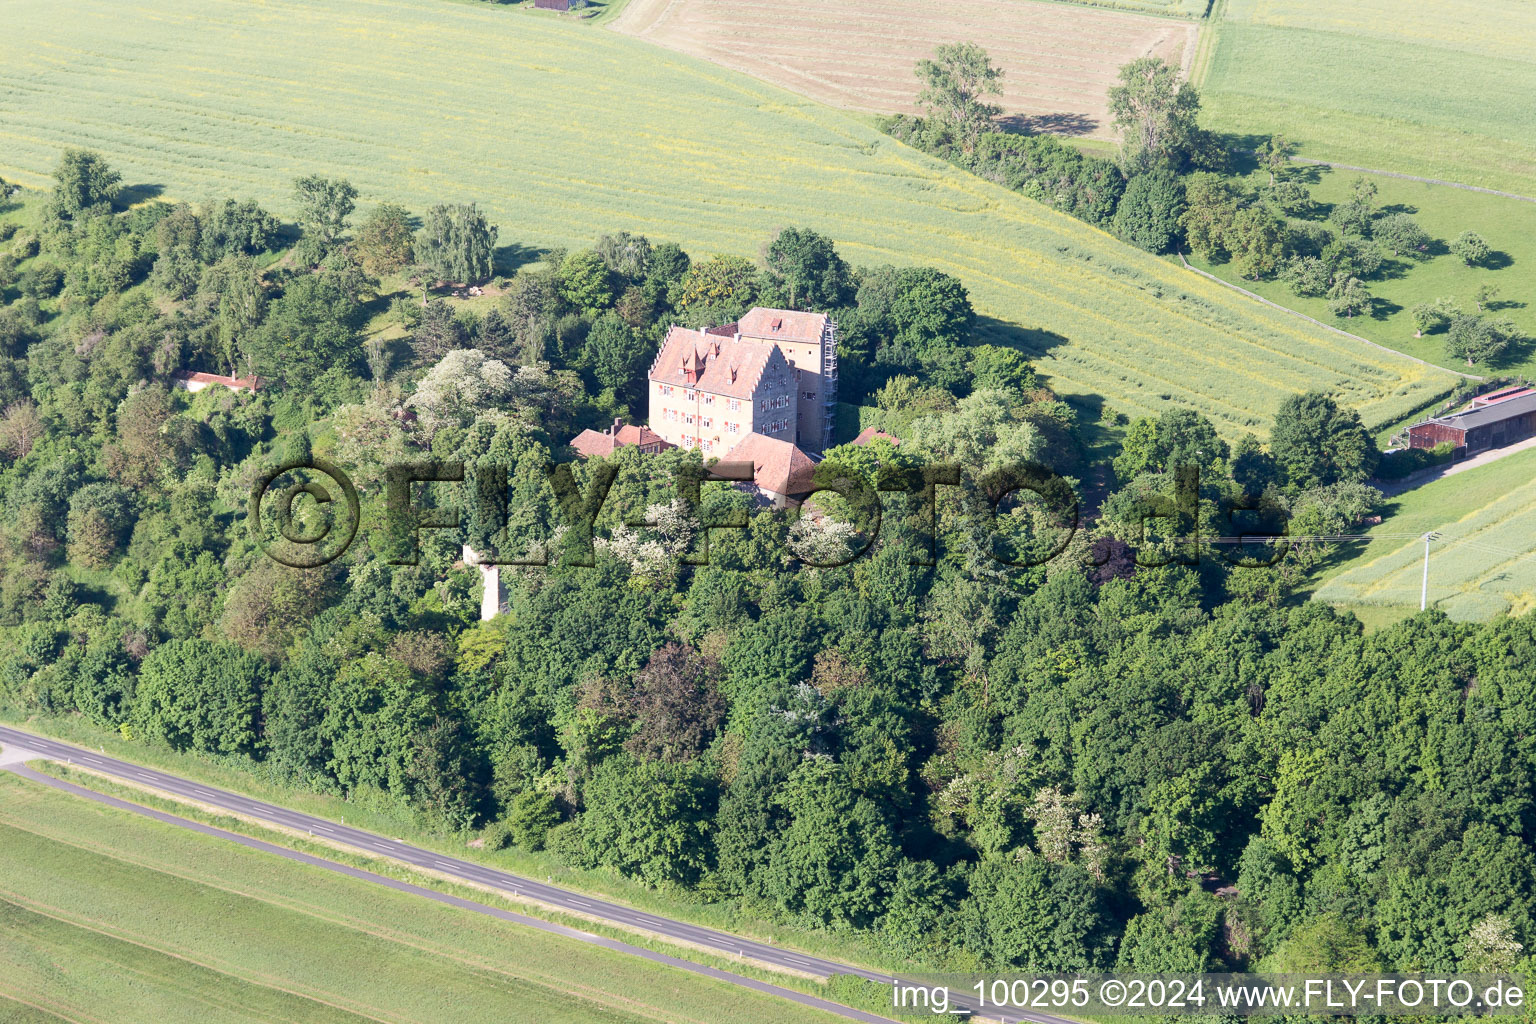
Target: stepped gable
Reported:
[(713, 363)]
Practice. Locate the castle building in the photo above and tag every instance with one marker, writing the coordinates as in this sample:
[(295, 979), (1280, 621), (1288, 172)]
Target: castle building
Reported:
[(774, 373)]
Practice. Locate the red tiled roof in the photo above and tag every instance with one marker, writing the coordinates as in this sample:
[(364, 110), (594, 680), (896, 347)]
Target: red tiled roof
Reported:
[(783, 325), (868, 434), (715, 364), (605, 442), (777, 466), (198, 377)]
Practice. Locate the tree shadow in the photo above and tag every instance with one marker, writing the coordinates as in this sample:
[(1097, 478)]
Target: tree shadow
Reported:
[(1382, 309), (1497, 305), (1517, 352), (1393, 268), (509, 258), (1307, 174), (1060, 123), (1496, 260), (1391, 208), (133, 195), (1033, 342)]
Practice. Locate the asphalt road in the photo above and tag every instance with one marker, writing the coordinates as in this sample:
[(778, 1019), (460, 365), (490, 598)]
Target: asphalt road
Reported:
[(613, 913)]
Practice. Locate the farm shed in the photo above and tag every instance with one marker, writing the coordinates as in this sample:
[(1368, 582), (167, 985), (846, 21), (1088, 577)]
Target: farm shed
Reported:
[(552, 5), (1489, 422)]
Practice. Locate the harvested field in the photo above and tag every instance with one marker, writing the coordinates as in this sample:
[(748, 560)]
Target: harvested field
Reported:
[(1059, 60)]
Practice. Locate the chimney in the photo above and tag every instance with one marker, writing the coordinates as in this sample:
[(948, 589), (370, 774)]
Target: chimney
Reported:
[(613, 430)]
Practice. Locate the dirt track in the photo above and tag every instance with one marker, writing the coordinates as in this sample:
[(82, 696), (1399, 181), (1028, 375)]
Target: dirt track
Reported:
[(1059, 59)]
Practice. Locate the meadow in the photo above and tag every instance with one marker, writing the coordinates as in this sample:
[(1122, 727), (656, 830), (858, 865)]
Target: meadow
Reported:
[(101, 908), (562, 130), (1058, 61), (1435, 89), (1508, 225), (1481, 567)]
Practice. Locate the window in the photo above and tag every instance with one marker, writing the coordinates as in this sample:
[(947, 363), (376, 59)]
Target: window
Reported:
[(666, 389), (709, 399), (733, 428), (690, 396), (735, 406), (707, 446), (709, 421), (809, 396), (688, 419)]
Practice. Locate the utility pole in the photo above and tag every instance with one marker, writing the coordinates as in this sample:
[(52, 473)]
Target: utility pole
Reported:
[(1424, 589)]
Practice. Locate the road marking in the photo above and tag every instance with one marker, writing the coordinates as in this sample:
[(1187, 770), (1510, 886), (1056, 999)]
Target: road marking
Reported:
[(580, 903), (445, 867)]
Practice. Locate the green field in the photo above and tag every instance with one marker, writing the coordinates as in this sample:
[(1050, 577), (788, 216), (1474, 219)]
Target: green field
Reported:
[(564, 130), (1483, 566), (1436, 89), (1508, 225), (101, 908)]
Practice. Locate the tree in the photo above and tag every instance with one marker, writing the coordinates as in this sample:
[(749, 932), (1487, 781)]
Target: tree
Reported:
[(1470, 247), (1491, 947), (616, 355), (627, 255), (384, 240), (438, 333), (235, 281), (200, 694), (457, 244), (996, 368), (718, 290), (1149, 211), (99, 518), (1256, 241), (1477, 338), (1355, 215), (1315, 441), (835, 859), (463, 384), (954, 82), (1029, 913), (584, 282), (806, 270), (324, 206), (1276, 156), (83, 183), (1401, 235), (1309, 276), (1349, 297), (1179, 437), (1211, 206), (650, 818), (311, 328), (676, 704), (1430, 316), (1155, 113), (1486, 293), (20, 428)]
